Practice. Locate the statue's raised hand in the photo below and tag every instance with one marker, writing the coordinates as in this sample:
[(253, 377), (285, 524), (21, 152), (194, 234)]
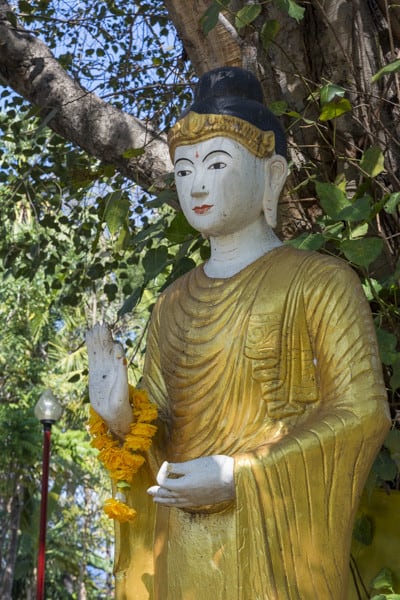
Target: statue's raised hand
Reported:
[(108, 379)]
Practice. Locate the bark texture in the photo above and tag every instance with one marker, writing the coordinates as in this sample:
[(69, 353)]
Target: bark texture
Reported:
[(218, 48), (29, 68), (339, 41)]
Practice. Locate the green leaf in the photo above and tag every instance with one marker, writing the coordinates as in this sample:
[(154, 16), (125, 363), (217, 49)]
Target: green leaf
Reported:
[(392, 443), (110, 290), (392, 67), (247, 15), (210, 17), (384, 466), (154, 261), (371, 288), (133, 152), (11, 17), (359, 231), (395, 378), (383, 582), (116, 212), (363, 531), (123, 485), (292, 8), (333, 231), (308, 241), (95, 271), (278, 108), (25, 6), (329, 92), (269, 31), (333, 199), (387, 342), (131, 302), (184, 265), (335, 109), (362, 251), (386, 597), (359, 210), (392, 202), (372, 161), (180, 230)]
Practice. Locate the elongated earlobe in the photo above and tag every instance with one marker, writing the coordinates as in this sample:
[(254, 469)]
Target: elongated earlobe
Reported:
[(275, 177)]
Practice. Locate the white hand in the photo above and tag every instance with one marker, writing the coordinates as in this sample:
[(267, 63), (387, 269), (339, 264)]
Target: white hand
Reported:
[(199, 482), (108, 379)]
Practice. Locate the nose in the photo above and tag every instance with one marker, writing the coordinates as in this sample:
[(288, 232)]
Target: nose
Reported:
[(199, 190)]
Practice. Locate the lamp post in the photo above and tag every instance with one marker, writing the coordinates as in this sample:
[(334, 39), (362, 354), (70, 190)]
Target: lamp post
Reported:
[(47, 410)]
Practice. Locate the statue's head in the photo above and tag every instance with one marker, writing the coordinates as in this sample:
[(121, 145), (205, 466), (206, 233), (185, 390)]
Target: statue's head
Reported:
[(230, 144)]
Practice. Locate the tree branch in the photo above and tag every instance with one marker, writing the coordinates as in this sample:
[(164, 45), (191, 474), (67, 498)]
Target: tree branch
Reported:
[(31, 70)]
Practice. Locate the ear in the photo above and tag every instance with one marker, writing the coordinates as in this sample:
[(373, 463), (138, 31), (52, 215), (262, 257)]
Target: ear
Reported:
[(275, 176)]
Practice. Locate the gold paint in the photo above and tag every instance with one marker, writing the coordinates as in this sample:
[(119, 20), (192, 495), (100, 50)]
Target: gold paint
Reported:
[(231, 365), (195, 127)]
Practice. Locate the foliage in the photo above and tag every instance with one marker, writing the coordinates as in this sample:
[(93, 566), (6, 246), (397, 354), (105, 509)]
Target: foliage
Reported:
[(80, 243)]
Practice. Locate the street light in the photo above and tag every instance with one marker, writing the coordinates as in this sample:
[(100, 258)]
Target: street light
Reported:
[(48, 410)]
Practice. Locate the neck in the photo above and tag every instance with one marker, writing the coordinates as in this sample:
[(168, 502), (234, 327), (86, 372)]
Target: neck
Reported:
[(233, 252)]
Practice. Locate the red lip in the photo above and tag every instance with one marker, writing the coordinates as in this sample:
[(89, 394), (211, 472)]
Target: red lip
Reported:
[(200, 210)]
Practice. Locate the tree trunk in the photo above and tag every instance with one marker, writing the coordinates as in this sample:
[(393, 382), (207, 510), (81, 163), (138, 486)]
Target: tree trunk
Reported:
[(218, 48), (29, 68), (339, 41)]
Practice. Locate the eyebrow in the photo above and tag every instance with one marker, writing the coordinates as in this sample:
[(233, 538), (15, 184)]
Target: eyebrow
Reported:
[(185, 159), (217, 152)]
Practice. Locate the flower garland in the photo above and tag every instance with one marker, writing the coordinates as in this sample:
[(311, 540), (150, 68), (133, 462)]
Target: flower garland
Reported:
[(123, 459)]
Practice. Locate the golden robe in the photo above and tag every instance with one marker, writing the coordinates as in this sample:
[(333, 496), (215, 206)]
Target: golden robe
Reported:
[(278, 367)]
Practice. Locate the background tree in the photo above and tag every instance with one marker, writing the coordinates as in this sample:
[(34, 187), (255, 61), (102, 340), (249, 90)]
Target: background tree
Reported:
[(90, 227)]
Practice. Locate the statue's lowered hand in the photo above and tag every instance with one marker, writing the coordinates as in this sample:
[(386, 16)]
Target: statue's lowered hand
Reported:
[(203, 481), (108, 379)]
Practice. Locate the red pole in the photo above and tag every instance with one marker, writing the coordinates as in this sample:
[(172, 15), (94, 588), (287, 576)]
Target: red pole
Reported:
[(43, 511)]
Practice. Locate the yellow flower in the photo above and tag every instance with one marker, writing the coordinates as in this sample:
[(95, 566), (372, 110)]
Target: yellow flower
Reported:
[(138, 398), (103, 441), (96, 424), (148, 413), (119, 511), (137, 442), (122, 459), (144, 429)]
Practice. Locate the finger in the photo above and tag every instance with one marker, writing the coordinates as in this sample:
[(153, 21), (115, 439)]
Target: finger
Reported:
[(160, 492), (152, 491), (118, 352), (169, 473), (162, 474), (166, 497)]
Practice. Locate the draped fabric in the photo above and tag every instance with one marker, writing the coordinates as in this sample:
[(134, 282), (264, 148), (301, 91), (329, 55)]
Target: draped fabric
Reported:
[(278, 367)]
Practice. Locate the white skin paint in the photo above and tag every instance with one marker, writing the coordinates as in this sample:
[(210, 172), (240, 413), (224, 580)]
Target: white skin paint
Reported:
[(230, 196)]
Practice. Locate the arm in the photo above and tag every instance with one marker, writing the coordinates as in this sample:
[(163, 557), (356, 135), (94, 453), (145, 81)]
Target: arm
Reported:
[(303, 489)]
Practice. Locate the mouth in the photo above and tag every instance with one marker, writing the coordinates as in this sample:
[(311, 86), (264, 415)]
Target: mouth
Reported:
[(201, 210)]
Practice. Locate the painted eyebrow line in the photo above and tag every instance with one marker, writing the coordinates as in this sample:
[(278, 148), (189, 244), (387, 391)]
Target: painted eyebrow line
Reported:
[(217, 152), (186, 159)]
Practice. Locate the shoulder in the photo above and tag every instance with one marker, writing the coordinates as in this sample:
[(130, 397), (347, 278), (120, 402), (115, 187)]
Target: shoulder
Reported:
[(313, 266)]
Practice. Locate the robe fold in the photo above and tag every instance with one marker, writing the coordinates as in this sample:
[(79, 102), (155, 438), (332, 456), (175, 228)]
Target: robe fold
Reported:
[(278, 367)]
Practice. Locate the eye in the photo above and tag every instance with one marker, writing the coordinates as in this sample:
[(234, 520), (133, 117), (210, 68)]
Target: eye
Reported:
[(183, 172), (217, 165)]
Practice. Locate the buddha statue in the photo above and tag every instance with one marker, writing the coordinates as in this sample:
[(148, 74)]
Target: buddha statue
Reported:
[(264, 366)]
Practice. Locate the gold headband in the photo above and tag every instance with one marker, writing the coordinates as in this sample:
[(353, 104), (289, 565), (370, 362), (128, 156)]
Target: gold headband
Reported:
[(195, 127)]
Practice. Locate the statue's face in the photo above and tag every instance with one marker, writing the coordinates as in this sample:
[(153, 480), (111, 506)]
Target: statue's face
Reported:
[(220, 185)]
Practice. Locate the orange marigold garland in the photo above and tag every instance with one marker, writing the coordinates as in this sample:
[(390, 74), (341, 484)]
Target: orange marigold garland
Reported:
[(122, 459)]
